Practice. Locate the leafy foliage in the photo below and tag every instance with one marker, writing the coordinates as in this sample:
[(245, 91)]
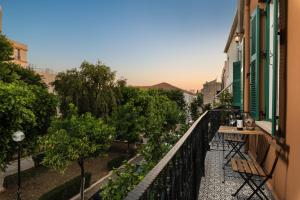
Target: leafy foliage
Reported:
[(124, 182), (6, 50), (176, 96), (225, 99), (92, 89), (128, 122), (196, 106), (25, 104), (161, 117), (16, 113), (75, 137)]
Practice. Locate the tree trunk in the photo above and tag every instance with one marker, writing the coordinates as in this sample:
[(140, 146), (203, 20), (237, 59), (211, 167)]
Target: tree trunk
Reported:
[(81, 164)]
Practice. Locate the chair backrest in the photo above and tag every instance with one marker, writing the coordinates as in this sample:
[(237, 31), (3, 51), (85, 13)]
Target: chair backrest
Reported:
[(263, 147), (278, 151)]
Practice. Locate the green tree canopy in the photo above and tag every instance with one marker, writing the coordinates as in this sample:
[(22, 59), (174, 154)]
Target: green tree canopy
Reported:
[(16, 113), (196, 106), (6, 49), (93, 88), (128, 122), (75, 138), (174, 95), (25, 104)]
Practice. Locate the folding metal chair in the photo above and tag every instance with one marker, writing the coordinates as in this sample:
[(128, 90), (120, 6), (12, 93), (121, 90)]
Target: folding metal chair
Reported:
[(248, 169), (237, 142)]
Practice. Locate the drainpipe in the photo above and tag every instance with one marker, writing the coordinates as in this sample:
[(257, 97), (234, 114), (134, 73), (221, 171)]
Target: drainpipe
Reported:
[(247, 56)]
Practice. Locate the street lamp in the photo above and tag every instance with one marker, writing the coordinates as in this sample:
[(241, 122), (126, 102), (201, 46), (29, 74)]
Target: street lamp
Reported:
[(18, 137)]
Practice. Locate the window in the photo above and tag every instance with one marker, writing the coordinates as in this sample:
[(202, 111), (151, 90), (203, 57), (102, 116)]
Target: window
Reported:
[(18, 54)]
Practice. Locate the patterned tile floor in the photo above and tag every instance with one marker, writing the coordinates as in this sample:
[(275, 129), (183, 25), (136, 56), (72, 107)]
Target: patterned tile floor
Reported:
[(212, 188)]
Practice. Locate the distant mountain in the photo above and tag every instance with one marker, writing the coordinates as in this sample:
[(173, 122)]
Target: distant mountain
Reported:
[(165, 86)]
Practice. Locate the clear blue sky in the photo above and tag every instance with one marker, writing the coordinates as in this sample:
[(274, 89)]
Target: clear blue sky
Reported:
[(145, 41)]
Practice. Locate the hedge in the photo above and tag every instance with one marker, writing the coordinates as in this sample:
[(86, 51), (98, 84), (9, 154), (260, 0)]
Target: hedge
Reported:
[(67, 190), (116, 162)]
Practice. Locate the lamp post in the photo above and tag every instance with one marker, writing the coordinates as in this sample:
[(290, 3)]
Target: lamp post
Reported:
[(18, 137)]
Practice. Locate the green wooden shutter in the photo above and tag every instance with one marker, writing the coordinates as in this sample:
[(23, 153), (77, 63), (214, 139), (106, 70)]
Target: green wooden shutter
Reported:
[(236, 86), (254, 63)]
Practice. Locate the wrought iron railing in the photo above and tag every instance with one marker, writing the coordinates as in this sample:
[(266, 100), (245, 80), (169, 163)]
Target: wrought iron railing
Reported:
[(178, 174)]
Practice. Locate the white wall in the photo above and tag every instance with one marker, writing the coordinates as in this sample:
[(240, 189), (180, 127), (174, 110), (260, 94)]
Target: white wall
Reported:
[(188, 98), (232, 56)]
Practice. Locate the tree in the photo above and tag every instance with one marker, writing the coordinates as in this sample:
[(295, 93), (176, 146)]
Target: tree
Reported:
[(174, 95), (226, 99), (196, 105), (6, 49), (25, 104), (16, 113), (92, 88), (75, 138), (128, 122), (161, 117)]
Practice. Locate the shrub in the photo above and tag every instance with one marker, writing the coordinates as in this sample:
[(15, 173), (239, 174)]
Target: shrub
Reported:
[(67, 190), (116, 162)]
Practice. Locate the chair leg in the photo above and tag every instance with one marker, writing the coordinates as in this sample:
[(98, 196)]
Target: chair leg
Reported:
[(238, 190), (258, 189), (233, 147), (247, 179), (237, 151)]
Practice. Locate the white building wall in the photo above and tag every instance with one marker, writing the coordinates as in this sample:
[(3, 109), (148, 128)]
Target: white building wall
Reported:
[(188, 98), (232, 56)]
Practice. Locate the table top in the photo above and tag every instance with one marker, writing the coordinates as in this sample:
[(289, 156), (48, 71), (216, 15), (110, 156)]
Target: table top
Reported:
[(234, 130)]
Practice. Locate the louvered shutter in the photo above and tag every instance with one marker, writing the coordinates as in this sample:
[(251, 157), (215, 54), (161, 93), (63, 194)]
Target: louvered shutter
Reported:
[(237, 84), (254, 63)]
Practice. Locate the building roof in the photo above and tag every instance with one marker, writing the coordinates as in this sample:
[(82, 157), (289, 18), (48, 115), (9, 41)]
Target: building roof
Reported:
[(165, 86), (232, 32)]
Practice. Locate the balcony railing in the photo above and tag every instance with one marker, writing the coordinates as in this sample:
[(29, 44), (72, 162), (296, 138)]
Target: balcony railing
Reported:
[(178, 174)]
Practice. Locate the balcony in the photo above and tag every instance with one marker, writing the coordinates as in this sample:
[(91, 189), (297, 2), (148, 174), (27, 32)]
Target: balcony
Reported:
[(192, 169), (214, 187)]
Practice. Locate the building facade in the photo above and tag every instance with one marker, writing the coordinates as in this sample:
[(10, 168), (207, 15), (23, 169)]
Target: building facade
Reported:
[(231, 51), (20, 53), (210, 90), (270, 93)]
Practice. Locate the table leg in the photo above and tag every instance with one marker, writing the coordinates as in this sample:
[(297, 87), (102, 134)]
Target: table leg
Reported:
[(223, 167)]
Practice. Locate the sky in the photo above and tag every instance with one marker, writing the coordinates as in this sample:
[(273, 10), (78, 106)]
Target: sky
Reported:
[(145, 41)]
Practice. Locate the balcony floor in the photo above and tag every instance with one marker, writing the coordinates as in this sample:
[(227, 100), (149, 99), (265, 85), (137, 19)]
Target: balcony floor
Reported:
[(212, 188)]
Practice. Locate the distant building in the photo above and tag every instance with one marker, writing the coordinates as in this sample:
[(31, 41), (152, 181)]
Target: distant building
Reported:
[(209, 91), (48, 77), (188, 96), (20, 51), (225, 75)]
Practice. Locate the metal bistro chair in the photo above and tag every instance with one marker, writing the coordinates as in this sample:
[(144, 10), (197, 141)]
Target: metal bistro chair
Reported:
[(249, 169), (237, 142)]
